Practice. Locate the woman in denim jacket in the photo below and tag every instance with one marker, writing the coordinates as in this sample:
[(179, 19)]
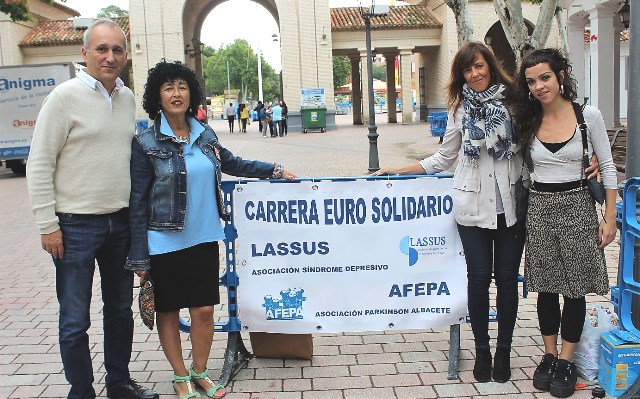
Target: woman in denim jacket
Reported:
[(175, 212)]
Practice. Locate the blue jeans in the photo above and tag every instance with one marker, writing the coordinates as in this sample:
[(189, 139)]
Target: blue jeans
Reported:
[(87, 239), (494, 252)]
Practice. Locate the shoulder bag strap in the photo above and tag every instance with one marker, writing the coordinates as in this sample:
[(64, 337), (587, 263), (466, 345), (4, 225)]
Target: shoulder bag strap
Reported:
[(583, 130)]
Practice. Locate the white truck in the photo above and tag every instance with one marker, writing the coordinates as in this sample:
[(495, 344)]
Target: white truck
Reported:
[(22, 90)]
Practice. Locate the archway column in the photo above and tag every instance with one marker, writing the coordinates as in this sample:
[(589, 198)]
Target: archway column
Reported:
[(405, 83), (365, 87), (603, 64), (390, 59), (577, 53), (356, 90)]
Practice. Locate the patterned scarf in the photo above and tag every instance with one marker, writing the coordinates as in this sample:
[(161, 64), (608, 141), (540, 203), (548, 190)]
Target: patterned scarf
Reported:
[(486, 122)]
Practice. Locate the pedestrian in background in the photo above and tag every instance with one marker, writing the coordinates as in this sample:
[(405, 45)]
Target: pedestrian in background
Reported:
[(244, 117), (285, 112), (230, 111), (258, 110), (79, 182), (276, 113), (201, 116), (176, 207), (268, 120)]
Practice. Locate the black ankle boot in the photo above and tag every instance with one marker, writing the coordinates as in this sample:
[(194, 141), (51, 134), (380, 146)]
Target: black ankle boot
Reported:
[(482, 367), (502, 365)]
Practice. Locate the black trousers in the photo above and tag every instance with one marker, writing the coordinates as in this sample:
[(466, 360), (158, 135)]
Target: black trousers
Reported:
[(570, 322), (493, 253)]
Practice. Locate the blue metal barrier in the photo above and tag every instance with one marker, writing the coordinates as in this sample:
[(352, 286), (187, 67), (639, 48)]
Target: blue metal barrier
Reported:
[(236, 355), (622, 294)]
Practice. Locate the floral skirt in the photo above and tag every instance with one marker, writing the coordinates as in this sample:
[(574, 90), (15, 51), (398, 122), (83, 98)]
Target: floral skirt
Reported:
[(562, 254)]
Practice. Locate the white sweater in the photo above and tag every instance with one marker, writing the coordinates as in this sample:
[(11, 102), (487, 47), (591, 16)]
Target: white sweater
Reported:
[(80, 153), (565, 165)]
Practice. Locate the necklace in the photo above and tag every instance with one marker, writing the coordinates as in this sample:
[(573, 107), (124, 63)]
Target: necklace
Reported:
[(184, 138)]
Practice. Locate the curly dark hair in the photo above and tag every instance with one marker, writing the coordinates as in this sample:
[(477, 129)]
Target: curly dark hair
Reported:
[(527, 112), (168, 72), (464, 58)]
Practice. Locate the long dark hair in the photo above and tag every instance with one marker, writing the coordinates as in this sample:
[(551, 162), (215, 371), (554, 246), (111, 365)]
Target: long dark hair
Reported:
[(527, 112), (463, 59), (164, 72)]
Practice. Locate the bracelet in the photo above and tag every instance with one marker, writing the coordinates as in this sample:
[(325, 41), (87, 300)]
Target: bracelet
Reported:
[(277, 171)]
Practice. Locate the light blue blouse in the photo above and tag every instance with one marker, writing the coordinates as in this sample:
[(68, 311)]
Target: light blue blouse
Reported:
[(202, 222)]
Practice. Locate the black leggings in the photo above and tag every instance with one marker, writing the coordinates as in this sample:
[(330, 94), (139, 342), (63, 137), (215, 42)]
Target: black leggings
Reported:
[(571, 320)]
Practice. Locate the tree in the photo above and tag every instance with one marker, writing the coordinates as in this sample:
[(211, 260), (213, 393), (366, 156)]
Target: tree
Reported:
[(463, 20), (510, 15), (112, 12), (18, 10), (562, 31), (380, 72), (341, 71), (243, 66)]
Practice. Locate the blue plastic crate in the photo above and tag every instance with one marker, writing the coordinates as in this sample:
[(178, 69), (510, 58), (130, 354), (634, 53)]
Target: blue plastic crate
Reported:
[(438, 121)]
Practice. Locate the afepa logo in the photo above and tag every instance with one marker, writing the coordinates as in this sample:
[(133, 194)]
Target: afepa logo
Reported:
[(288, 307), (413, 247)]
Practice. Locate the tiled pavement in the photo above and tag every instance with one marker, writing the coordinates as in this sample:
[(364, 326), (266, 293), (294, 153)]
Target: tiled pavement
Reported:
[(400, 364)]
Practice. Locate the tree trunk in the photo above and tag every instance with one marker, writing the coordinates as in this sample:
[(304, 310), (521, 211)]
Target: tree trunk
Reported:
[(562, 29), (510, 15), (543, 25), (463, 20)]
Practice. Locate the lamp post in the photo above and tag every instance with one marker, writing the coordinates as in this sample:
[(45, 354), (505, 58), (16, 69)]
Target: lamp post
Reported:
[(367, 12), (274, 37), (259, 73)]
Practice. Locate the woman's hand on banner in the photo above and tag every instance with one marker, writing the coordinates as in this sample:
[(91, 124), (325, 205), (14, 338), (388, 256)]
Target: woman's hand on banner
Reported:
[(288, 175)]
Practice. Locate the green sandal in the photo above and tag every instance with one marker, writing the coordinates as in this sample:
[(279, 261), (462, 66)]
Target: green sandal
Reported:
[(216, 391), (178, 379)]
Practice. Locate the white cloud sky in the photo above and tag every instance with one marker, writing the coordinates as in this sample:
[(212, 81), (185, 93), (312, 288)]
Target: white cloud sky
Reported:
[(233, 19)]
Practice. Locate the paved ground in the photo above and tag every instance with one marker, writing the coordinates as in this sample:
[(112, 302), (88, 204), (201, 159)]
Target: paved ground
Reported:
[(400, 364)]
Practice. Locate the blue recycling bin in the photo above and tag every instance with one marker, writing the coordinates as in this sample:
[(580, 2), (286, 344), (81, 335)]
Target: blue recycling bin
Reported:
[(438, 121), (141, 125)]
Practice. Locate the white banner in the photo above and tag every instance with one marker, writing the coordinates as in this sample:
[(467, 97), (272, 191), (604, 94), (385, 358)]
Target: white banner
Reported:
[(339, 256), (22, 90)]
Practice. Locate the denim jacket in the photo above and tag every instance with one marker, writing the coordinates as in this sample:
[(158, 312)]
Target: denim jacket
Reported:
[(159, 184)]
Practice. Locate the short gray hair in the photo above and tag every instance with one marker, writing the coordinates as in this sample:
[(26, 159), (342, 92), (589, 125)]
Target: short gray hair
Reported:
[(86, 38)]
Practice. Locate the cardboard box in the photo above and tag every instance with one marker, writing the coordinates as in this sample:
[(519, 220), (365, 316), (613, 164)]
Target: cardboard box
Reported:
[(619, 364)]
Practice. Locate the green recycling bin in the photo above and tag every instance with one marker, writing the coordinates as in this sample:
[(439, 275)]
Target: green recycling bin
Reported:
[(314, 118)]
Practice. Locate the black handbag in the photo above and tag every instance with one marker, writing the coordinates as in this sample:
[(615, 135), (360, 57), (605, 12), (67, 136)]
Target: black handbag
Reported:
[(596, 188)]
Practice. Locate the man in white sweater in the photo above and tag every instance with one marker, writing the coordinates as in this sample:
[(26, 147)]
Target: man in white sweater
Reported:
[(79, 183)]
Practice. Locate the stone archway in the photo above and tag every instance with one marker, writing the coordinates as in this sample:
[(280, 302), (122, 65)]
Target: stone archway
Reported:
[(194, 14), (164, 29), (497, 40)]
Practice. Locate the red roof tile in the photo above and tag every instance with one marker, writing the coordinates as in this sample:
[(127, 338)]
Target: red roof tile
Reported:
[(350, 19), (62, 33), (66, 9)]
